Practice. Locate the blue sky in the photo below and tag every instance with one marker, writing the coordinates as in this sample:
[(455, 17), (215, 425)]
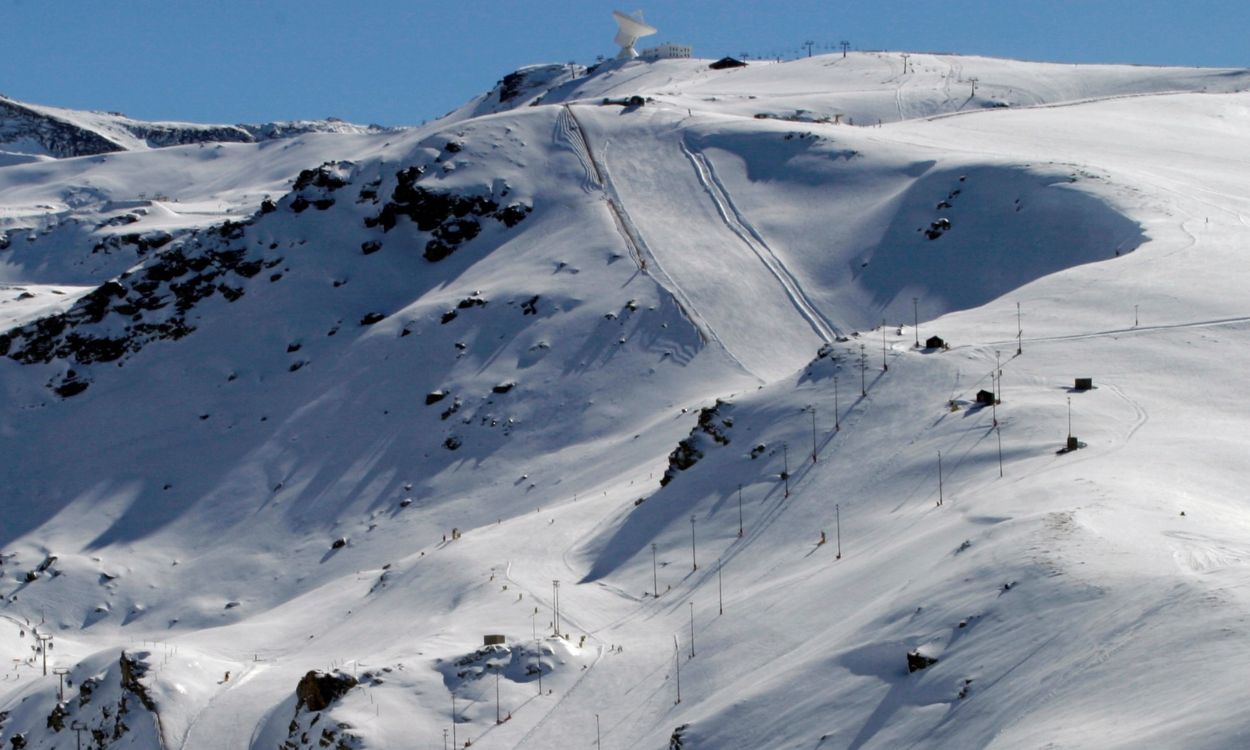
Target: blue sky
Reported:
[(395, 63)]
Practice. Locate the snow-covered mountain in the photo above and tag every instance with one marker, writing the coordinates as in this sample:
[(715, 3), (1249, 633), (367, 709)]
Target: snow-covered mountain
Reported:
[(29, 132), (289, 426)]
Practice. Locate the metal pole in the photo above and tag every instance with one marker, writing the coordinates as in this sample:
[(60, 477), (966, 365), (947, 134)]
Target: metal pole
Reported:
[(555, 606), (720, 588), (598, 742), (79, 728), (677, 660), (60, 672), (1134, 316), (998, 370), (813, 408), (498, 720), (694, 561), (940, 498), (740, 526), (45, 638), (844, 46), (999, 432), (885, 366), (837, 514), (691, 630), (453, 719), (1019, 332), (444, 740), (1069, 418)]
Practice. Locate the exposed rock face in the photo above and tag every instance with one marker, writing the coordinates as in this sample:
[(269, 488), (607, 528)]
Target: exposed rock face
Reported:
[(145, 305), (133, 671), (917, 661), (59, 138), (713, 426), (317, 690), (56, 132), (270, 131), (311, 726), (451, 219), (63, 138)]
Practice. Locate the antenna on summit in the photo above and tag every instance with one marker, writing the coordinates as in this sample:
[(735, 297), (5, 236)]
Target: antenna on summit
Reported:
[(632, 28)]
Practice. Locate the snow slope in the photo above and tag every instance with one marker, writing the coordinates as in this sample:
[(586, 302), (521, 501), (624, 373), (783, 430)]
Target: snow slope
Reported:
[(247, 451)]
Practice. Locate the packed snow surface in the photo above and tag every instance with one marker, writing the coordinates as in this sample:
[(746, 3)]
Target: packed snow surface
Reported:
[(288, 427)]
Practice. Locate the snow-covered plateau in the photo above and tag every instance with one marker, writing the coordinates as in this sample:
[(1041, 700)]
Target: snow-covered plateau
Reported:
[(873, 401)]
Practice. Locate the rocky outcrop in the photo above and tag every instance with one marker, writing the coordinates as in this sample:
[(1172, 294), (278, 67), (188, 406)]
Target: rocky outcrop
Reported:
[(57, 137), (317, 690), (148, 304), (451, 219), (312, 727), (712, 429)]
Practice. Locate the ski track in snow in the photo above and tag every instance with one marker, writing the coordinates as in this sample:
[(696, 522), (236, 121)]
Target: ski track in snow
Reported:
[(1135, 330), (740, 226), (643, 257), (186, 738), (569, 134)]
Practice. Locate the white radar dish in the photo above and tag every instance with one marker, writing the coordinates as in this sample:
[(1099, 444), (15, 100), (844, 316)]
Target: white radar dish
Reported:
[(632, 28)]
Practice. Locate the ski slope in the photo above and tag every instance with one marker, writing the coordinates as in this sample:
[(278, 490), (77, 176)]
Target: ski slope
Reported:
[(275, 489)]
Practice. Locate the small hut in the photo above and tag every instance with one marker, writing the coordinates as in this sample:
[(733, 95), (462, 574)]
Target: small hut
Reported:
[(934, 342), (727, 62), (493, 639), (1084, 384), (985, 398)]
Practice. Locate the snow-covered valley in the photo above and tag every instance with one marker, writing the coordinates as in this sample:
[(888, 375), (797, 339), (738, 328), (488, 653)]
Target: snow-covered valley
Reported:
[(348, 402)]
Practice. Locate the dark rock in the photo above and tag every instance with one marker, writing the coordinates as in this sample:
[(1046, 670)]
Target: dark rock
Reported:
[(513, 214), (917, 661), (339, 543), (132, 673), (937, 228), (70, 388), (452, 443), (317, 690), (327, 176), (371, 318), (436, 250), (370, 247), (530, 306), (712, 424), (455, 407), (449, 316), (86, 689), (503, 387), (433, 397)]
